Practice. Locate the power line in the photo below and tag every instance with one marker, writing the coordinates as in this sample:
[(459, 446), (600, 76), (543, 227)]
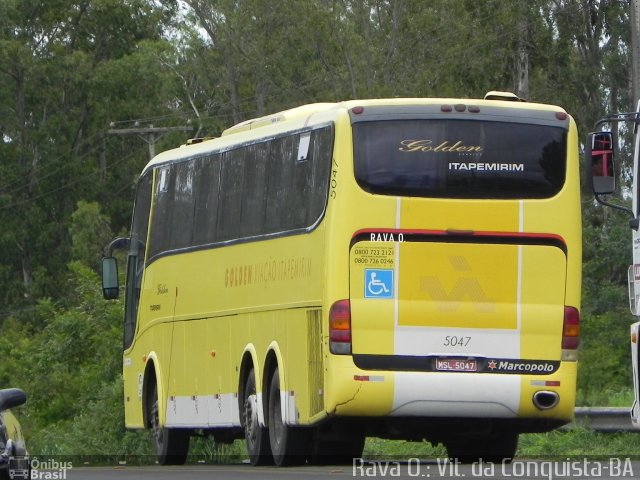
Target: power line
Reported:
[(149, 134), (14, 187), (63, 187)]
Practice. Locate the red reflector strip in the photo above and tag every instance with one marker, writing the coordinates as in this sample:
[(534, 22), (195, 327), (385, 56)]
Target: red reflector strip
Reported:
[(368, 378), (545, 383)]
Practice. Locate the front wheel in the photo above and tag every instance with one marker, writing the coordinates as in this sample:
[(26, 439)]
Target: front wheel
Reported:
[(171, 444), (289, 445)]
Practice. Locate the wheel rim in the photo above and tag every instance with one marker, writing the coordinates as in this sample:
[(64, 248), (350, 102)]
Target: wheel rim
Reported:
[(155, 422), (276, 422), (251, 418)]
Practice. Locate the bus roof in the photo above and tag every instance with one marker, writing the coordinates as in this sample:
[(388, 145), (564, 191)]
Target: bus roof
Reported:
[(319, 113)]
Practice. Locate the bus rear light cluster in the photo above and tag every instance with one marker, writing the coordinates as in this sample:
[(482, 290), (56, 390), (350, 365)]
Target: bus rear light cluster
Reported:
[(570, 333), (340, 328)]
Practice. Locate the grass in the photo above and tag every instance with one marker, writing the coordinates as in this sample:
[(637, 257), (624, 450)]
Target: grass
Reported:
[(559, 444), (136, 446), (579, 442), (605, 398), (576, 442)]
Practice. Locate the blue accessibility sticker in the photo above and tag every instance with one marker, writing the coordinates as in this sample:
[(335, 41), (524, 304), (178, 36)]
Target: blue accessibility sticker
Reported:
[(378, 283)]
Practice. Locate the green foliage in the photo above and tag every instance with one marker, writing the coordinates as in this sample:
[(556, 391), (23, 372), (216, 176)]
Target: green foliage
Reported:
[(605, 366), (559, 444), (68, 69), (97, 431), (605, 361), (379, 448), (202, 449), (90, 233), (73, 355), (578, 443)]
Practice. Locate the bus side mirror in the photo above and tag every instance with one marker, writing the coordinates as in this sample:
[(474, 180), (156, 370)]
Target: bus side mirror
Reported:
[(11, 398), (599, 153), (110, 287)]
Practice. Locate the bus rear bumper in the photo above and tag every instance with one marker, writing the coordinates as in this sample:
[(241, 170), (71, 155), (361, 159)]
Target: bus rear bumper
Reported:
[(354, 392)]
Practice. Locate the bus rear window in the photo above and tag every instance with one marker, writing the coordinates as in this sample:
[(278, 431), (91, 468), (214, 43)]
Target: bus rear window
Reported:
[(460, 158)]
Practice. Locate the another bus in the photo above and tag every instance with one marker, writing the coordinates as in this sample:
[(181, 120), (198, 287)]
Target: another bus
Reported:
[(600, 153), (401, 268)]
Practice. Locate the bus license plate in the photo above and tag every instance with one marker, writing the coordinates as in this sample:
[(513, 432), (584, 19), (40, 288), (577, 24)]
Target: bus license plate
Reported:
[(454, 365)]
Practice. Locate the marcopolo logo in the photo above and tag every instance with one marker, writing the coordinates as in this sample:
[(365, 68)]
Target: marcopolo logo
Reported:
[(534, 367)]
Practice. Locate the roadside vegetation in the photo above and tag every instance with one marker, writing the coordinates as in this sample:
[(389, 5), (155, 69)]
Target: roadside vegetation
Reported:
[(70, 71)]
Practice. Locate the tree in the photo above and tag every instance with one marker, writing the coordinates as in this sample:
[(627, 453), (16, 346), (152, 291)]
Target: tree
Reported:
[(66, 69), (90, 234)]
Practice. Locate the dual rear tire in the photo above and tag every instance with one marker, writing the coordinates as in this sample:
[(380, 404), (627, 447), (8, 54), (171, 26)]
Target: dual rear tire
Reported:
[(283, 444), (256, 436), (289, 445)]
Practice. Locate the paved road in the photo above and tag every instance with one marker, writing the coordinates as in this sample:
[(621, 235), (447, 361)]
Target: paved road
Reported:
[(615, 468)]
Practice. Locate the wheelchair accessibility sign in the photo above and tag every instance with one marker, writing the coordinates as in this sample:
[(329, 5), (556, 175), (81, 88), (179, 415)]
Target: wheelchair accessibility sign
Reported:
[(378, 283)]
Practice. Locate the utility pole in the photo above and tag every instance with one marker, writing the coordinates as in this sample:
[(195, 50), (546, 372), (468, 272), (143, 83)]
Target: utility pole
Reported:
[(635, 51), (149, 134)]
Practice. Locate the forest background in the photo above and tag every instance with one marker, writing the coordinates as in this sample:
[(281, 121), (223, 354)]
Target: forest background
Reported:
[(71, 70)]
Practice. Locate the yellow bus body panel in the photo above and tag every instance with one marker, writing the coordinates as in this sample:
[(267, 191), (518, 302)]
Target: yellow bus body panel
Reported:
[(202, 313), (209, 307)]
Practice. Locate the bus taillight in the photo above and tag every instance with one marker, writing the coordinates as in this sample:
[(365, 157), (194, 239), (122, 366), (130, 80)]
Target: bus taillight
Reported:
[(570, 331), (340, 327)]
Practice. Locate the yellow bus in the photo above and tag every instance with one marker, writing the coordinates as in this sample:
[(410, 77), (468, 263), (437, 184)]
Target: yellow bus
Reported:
[(401, 268)]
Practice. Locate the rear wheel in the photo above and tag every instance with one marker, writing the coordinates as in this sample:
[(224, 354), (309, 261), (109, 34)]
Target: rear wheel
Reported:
[(490, 448), (256, 437), (289, 445), (172, 444)]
